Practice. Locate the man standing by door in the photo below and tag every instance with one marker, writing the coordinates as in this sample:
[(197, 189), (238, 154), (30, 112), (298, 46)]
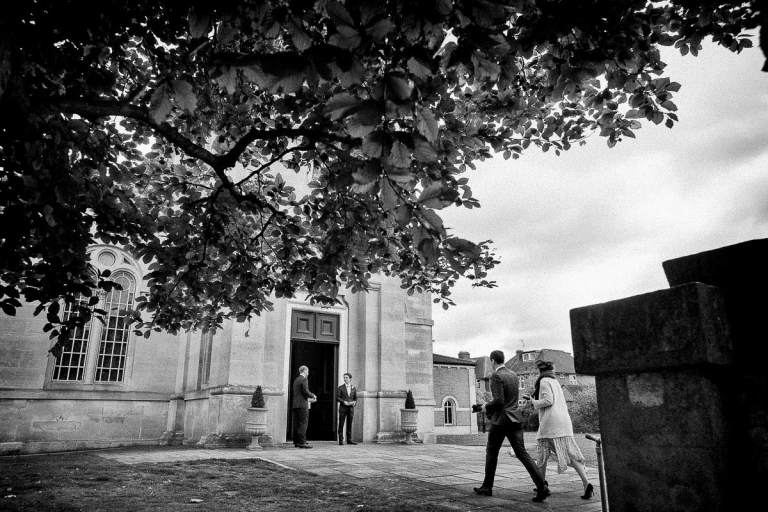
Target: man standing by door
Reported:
[(506, 422), (302, 397), (346, 395)]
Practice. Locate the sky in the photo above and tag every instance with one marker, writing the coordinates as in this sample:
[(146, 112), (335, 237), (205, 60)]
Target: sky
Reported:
[(596, 223)]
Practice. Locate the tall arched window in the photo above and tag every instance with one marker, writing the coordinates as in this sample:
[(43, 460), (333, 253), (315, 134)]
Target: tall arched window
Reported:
[(113, 347), (449, 411), (99, 349)]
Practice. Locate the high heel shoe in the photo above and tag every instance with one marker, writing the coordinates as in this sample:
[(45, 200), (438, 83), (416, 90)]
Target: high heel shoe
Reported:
[(588, 492)]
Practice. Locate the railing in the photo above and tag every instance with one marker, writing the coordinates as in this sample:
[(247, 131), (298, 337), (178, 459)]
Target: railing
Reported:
[(600, 470)]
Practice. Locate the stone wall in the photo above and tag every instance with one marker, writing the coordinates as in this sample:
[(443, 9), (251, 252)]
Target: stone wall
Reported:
[(682, 394)]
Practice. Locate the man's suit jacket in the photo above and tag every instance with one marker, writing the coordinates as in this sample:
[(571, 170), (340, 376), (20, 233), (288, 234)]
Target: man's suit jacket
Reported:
[(503, 409), (342, 396), (301, 393)]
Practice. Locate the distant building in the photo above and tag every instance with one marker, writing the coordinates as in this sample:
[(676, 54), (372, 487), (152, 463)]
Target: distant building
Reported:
[(455, 392), (524, 365), (483, 371)]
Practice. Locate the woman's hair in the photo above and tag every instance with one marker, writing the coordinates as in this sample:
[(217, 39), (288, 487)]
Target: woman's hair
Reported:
[(545, 366)]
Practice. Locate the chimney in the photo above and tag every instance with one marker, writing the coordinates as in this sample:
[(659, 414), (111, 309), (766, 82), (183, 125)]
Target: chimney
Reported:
[(463, 355)]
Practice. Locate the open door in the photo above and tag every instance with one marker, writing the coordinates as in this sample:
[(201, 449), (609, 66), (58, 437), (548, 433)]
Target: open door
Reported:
[(315, 344)]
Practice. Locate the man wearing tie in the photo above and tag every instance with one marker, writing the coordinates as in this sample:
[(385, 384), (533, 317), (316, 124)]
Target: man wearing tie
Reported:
[(346, 395)]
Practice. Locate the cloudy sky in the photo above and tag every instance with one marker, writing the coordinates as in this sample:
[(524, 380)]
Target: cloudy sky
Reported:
[(595, 224)]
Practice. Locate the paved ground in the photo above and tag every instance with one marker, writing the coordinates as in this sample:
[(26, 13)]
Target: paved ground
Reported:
[(441, 473)]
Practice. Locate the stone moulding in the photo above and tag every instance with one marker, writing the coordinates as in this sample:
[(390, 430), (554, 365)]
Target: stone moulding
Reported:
[(230, 389), (383, 393)]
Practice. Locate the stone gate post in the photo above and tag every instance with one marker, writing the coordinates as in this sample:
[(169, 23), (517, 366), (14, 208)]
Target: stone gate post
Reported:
[(681, 386)]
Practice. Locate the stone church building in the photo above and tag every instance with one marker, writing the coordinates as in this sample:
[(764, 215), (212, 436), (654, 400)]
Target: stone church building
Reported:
[(112, 388)]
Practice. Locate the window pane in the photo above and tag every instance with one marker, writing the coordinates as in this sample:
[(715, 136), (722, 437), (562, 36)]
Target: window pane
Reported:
[(448, 412), (110, 364), (70, 365)]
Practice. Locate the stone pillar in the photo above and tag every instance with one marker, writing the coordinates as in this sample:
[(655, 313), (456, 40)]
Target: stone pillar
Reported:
[(238, 364), (174, 430), (680, 387)]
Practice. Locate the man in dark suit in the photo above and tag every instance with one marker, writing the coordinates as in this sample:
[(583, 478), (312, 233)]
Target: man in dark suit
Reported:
[(346, 395), (506, 421), (302, 397)]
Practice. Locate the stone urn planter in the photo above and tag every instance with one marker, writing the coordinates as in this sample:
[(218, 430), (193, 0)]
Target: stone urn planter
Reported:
[(256, 425), (256, 419), (409, 417)]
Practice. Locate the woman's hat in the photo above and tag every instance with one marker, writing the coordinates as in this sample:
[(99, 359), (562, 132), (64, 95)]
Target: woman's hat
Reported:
[(544, 365)]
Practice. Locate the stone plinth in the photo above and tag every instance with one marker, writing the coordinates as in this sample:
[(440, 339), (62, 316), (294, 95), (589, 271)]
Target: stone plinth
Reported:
[(682, 403), (681, 326)]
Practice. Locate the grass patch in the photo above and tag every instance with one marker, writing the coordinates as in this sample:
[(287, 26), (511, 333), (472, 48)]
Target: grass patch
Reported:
[(82, 481)]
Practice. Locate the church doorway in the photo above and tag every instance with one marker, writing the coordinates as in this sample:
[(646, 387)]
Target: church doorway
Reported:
[(315, 344)]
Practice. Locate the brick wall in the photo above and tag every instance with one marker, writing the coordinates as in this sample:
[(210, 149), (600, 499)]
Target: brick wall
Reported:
[(456, 382)]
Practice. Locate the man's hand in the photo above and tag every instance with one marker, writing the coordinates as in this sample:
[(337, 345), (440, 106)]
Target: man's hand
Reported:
[(483, 407)]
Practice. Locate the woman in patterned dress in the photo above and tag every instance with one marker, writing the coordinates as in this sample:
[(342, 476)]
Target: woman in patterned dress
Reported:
[(555, 434)]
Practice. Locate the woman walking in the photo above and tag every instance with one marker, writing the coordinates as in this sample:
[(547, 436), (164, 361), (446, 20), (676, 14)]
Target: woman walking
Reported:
[(555, 434)]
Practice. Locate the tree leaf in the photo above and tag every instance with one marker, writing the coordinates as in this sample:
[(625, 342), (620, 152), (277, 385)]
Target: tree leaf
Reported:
[(184, 96), (366, 175), (423, 151), (427, 124), (380, 30), (198, 24), (398, 88), (400, 155), (341, 105), (373, 145), (370, 112), (228, 79), (434, 220), (339, 14), (160, 105), (420, 69), (389, 197)]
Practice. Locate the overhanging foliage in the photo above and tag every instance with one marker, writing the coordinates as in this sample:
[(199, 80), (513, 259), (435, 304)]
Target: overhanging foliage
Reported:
[(157, 126)]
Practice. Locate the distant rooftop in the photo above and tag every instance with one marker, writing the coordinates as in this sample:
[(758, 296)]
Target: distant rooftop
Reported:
[(525, 361), (440, 359)]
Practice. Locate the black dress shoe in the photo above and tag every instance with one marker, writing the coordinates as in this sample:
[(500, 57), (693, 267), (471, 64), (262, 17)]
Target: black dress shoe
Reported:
[(305, 446), (483, 491), (588, 492), (351, 442), (341, 443), (542, 494)]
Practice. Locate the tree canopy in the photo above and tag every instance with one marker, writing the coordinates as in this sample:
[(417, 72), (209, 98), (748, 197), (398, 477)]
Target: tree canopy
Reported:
[(163, 127)]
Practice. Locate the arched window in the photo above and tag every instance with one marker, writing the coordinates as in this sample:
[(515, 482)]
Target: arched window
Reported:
[(113, 347), (99, 350), (449, 411)]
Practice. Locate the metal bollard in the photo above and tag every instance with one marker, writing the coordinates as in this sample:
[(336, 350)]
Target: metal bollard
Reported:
[(600, 470)]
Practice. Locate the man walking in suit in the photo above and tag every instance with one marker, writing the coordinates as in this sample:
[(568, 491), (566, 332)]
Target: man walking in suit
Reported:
[(346, 395), (506, 421), (300, 408)]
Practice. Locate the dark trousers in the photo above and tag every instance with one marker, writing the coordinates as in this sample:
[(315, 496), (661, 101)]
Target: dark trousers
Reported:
[(513, 432), (346, 417), (300, 422)]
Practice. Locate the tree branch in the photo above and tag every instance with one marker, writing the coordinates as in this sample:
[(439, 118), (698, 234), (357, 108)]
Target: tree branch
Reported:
[(103, 108)]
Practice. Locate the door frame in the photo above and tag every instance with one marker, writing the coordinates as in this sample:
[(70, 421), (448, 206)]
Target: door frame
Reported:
[(342, 360)]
